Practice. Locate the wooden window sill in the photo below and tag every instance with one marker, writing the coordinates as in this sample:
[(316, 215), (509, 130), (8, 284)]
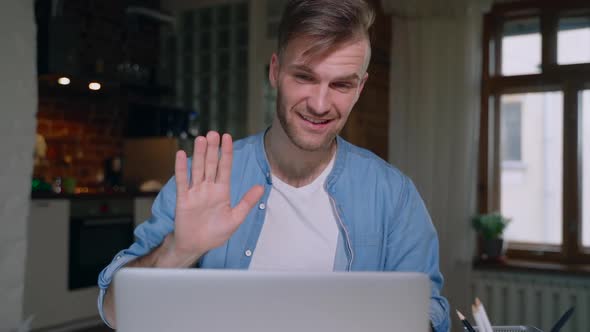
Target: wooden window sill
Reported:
[(514, 265)]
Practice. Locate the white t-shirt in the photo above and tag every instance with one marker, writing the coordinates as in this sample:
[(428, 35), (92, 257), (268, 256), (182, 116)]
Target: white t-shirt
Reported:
[(300, 231)]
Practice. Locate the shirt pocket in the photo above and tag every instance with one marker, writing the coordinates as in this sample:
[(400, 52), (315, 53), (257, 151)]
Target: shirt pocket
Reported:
[(368, 252)]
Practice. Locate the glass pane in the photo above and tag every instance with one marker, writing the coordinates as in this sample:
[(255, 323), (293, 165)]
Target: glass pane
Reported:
[(223, 61), (573, 40), (521, 47), (204, 86), (223, 38), (187, 35), (585, 119), (223, 14), (511, 128), (531, 171), (243, 36), (242, 13), (205, 18), (242, 59), (223, 85), (275, 8), (204, 64), (205, 41), (215, 57)]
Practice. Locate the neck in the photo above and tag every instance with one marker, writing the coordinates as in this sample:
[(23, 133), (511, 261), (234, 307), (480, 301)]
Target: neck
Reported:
[(291, 164)]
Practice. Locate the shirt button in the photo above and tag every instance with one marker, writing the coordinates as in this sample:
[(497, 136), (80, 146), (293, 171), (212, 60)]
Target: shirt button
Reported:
[(248, 253), (118, 257), (262, 206)]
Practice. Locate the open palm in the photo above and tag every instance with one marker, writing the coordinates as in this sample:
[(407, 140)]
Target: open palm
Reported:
[(205, 218)]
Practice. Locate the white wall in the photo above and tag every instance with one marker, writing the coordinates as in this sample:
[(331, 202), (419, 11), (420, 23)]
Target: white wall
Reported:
[(18, 104), (586, 169)]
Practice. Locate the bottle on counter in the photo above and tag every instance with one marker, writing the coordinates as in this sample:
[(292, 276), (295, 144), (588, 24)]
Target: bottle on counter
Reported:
[(56, 186)]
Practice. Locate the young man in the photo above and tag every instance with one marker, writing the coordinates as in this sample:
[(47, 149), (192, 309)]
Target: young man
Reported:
[(296, 197)]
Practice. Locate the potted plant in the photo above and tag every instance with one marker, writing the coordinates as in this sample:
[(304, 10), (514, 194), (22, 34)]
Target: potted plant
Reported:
[(490, 228)]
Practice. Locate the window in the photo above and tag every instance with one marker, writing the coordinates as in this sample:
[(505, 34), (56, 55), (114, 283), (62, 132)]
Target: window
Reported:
[(521, 47), (573, 40), (535, 128), (530, 182)]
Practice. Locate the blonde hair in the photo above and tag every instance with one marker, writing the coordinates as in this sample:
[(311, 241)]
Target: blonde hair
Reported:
[(326, 22)]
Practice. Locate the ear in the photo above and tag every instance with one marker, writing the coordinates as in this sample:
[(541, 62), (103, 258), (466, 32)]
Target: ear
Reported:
[(273, 72), (361, 86)]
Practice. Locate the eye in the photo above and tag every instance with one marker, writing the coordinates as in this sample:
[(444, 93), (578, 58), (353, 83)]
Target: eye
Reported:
[(303, 78), (343, 86)]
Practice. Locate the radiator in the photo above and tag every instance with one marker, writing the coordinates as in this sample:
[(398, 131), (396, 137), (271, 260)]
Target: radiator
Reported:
[(533, 299)]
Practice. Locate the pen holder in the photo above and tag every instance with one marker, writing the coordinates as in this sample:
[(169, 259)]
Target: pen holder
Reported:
[(514, 328)]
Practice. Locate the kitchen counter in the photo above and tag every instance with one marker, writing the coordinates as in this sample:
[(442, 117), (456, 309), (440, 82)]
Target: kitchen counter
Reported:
[(93, 195)]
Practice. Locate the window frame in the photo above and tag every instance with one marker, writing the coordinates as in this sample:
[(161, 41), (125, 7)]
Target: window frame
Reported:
[(568, 78)]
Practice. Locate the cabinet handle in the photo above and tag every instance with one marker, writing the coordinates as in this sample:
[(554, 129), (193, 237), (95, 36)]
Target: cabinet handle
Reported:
[(42, 204)]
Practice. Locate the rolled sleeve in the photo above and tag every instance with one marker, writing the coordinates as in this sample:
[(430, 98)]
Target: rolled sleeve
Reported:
[(439, 314), (106, 275), (100, 303), (148, 236)]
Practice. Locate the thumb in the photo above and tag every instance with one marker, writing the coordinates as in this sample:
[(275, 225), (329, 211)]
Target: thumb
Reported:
[(250, 199)]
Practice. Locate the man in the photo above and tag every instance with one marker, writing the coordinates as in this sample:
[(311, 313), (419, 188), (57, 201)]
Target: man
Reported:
[(296, 197)]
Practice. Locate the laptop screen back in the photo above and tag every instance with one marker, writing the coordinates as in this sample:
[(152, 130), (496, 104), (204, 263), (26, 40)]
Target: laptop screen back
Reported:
[(247, 301)]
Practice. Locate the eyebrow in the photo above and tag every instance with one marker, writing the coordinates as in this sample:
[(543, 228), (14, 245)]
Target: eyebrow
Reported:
[(308, 70)]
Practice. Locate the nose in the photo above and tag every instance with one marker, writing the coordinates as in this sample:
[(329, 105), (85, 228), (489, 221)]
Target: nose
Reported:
[(318, 101)]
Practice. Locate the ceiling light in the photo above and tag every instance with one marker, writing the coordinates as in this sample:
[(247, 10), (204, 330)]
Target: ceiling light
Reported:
[(94, 86), (63, 80)]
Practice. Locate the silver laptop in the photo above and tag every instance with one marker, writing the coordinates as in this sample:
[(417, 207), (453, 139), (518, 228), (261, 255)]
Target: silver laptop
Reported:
[(181, 300)]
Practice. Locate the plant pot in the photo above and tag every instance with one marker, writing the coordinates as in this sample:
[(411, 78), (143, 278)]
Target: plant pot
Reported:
[(492, 248)]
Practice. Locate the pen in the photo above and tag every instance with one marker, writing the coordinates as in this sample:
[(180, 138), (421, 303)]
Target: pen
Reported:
[(562, 320), (465, 322)]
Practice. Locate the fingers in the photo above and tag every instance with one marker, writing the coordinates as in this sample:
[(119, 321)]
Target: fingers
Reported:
[(180, 167), (224, 169), (198, 167), (250, 199), (212, 156)]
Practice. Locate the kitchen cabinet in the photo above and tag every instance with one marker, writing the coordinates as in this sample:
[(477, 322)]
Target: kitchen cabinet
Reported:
[(46, 283), (47, 295), (100, 39)]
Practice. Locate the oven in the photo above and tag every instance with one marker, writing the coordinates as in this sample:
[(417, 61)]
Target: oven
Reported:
[(98, 230)]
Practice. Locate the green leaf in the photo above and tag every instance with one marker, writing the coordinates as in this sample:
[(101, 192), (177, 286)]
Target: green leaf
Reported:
[(490, 225)]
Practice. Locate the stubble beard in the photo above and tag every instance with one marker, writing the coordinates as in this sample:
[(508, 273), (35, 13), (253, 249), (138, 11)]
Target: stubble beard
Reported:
[(298, 139)]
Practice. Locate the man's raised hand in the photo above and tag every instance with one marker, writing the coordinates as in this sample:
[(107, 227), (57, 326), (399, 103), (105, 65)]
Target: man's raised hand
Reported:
[(204, 216)]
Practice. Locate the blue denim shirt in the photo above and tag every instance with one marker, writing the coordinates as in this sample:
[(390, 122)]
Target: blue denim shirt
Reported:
[(383, 223)]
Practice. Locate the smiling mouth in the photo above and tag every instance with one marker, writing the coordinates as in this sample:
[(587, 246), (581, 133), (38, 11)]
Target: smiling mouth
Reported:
[(314, 121)]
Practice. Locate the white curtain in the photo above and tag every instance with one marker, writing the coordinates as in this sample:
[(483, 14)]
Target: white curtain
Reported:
[(434, 121)]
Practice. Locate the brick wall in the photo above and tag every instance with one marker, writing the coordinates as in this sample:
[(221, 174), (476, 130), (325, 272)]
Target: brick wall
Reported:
[(80, 136), (83, 129)]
